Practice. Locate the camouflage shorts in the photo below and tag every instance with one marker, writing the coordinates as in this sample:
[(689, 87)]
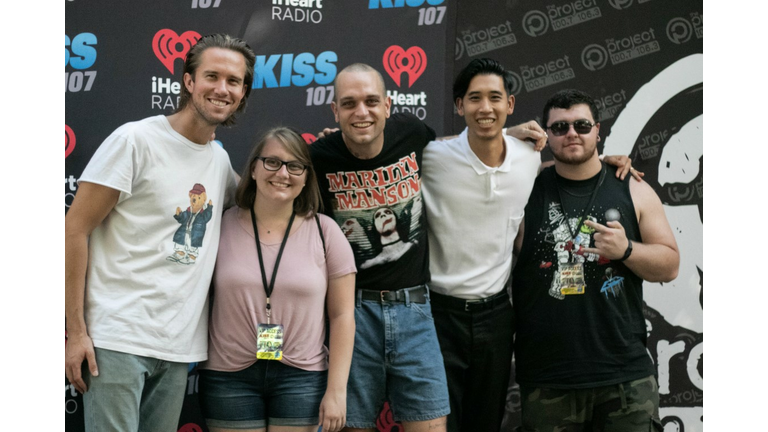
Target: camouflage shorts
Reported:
[(628, 407)]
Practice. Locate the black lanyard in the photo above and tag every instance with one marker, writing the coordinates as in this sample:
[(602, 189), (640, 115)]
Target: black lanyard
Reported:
[(587, 208), (268, 288)]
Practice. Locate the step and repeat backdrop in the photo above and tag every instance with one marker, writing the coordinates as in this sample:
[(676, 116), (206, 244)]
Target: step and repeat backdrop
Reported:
[(641, 59)]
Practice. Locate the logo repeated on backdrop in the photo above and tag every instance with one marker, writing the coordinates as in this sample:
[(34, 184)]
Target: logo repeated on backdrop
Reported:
[(308, 138), (547, 73), (205, 4), (295, 69), (650, 144), (397, 60), (429, 15), (79, 53), (680, 30), (536, 23), (70, 405), (487, 39), (70, 187), (595, 56), (623, 4), (297, 10), (609, 105), (411, 62), (298, 70), (69, 141), (168, 47)]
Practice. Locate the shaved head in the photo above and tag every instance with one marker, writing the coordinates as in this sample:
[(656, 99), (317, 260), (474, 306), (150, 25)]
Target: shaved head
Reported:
[(359, 67)]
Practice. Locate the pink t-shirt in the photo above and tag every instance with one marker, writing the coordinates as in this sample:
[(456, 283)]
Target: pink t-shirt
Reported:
[(298, 297)]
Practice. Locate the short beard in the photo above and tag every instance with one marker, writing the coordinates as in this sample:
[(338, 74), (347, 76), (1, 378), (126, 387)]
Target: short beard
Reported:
[(574, 160)]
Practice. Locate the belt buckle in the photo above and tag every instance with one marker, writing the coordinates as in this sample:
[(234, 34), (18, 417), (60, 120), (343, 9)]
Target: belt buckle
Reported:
[(468, 303), (381, 295)]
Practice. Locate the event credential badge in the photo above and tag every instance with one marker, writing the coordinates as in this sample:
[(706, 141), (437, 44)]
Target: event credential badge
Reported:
[(270, 342), (572, 279)]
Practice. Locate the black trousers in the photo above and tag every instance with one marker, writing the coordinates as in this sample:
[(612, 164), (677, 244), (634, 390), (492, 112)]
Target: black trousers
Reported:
[(476, 342)]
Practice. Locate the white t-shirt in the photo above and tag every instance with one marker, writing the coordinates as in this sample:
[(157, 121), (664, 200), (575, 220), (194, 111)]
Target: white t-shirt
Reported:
[(473, 214), (151, 260)]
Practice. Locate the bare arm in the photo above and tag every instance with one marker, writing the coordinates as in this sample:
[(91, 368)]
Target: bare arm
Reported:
[(91, 205), (657, 258), (530, 131), (341, 313)]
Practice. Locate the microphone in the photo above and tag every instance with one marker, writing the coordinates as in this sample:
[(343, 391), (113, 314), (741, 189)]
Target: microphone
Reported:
[(612, 215)]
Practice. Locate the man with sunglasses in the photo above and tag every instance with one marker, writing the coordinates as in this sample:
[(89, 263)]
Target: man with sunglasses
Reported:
[(587, 243), (138, 268)]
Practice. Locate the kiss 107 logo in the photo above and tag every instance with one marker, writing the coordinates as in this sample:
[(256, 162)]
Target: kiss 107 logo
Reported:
[(79, 53)]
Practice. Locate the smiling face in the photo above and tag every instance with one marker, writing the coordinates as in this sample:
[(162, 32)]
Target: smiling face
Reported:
[(276, 186), (485, 107), (361, 108), (573, 148), (218, 85)]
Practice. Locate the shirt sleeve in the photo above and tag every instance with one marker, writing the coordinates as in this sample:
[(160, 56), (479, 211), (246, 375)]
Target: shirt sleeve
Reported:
[(112, 165), (339, 257)]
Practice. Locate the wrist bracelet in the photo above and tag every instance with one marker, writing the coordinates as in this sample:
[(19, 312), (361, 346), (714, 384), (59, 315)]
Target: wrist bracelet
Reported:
[(628, 252)]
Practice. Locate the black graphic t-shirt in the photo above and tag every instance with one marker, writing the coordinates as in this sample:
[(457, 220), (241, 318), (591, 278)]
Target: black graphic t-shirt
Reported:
[(378, 203), (567, 340)]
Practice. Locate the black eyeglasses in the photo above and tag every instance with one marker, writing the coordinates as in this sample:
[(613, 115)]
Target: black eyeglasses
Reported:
[(274, 164), (580, 126)]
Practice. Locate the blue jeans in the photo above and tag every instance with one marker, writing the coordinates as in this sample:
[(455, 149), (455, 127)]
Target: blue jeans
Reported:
[(265, 393), (396, 358), (134, 393)]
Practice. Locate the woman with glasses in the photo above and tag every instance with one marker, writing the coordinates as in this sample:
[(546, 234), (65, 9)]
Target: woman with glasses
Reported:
[(280, 271)]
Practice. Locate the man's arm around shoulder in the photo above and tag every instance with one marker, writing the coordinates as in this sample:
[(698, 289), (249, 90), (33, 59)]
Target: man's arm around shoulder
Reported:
[(91, 205)]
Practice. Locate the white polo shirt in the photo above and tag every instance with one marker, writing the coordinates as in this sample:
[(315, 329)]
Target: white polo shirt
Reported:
[(473, 214)]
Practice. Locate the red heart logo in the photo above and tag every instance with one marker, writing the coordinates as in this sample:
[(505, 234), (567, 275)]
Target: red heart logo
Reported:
[(308, 138), (413, 62), (169, 46), (190, 427), (69, 141)]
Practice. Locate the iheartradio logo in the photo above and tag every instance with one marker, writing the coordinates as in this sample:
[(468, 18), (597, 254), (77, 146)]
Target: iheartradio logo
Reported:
[(69, 140), (397, 60), (168, 46), (308, 138)]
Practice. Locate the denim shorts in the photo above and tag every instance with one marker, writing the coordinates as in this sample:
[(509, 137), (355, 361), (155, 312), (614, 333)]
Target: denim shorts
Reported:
[(265, 393), (396, 358)]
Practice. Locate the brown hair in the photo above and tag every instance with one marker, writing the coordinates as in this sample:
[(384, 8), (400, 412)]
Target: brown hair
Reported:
[(308, 203)]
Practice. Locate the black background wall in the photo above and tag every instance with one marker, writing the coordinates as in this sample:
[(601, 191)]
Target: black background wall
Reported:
[(642, 59)]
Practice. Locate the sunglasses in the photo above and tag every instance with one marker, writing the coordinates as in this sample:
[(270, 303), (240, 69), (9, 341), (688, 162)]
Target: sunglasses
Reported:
[(580, 126), (274, 164)]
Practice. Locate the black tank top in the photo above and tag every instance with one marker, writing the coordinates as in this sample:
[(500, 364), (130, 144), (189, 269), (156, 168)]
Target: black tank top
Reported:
[(581, 340)]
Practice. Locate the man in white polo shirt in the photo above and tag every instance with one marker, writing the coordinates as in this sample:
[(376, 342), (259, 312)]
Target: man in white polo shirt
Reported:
[(475, 190)]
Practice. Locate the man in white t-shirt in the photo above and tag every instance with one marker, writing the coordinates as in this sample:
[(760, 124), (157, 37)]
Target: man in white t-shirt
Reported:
[(136, 319)]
